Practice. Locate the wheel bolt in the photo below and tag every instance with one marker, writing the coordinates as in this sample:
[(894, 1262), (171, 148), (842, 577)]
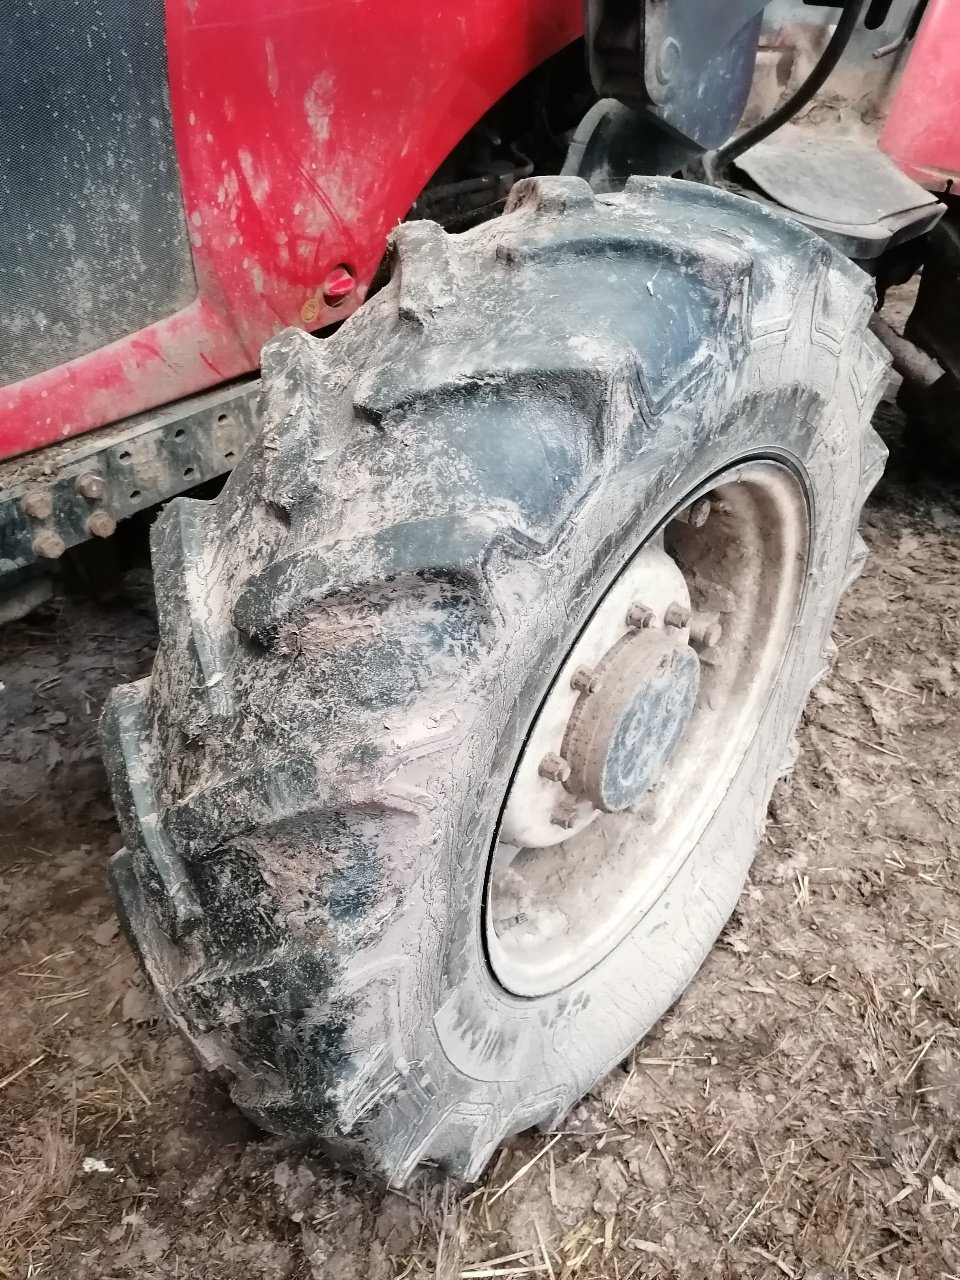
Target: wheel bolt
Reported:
[(565, 816), (705, 630), (697, 514), (89, 484), (49, 545), (37, 504), (675, 615), (554, 768), (585, 680), (640, 617)]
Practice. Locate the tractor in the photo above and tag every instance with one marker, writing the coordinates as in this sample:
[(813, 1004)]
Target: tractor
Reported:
[(545, 397)]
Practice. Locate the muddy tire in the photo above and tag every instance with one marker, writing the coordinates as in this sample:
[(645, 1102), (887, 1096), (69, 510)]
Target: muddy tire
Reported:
[(356, 636)]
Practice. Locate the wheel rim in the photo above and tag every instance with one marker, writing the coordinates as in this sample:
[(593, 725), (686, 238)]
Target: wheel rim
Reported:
[(645, 726)]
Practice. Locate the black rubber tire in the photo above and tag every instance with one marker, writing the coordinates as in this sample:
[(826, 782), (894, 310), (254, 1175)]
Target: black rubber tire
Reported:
[(355, 635)]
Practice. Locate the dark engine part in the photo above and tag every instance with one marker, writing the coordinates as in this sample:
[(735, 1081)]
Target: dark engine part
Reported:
[(934, 324), (527, 131), (933, 408), (93, 241)]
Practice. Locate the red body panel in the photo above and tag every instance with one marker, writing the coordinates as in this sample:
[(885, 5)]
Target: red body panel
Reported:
[(922, 132), (304, 130)]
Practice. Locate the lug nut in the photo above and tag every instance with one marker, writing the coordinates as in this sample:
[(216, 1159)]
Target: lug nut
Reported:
[(640, 617), (565, 815), (90, 484), (585, 680), (675, 615), (705, 630), (697, 514), (37, 504), (49, 545), (554, 768), (101, 524)]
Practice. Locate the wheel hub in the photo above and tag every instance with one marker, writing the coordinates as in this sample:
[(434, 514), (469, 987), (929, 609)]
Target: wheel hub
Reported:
[(616, 710), (621, 735)]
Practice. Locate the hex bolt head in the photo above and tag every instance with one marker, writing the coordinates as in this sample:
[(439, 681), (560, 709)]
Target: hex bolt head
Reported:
[(675, 615), (565, 815), (49, 545), (705, 630), (554, 768), (101, 524), (668, 60), (585, 680), (338, 286), (698, 513), (639, 616), (90, 484), (37, 504)]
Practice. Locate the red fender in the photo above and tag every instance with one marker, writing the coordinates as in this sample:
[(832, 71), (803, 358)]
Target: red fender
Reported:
[(304, 130), (922, 132)]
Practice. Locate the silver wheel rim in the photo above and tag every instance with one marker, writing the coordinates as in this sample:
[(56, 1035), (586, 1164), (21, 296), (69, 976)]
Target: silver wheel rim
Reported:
[(682, 651)]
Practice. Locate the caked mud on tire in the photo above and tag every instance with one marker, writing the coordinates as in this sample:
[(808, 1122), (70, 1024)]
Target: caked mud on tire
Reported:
[(357, 633)]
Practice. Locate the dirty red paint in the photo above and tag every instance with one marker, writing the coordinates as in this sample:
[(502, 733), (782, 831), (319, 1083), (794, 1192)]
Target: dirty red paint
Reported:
[(922, 132), (338, 286), (304, 130)]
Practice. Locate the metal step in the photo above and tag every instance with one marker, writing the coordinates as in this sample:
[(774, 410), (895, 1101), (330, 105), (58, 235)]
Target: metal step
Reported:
[(841, 186)]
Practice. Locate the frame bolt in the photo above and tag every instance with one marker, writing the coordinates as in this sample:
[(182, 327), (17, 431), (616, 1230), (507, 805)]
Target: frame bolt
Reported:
[(705, 630), (101, 524), (668, 60), (639, 616), (675, 615), (49, 545), (585, 680), (89, 484), (338, 286), (37, 504), (554, 768)]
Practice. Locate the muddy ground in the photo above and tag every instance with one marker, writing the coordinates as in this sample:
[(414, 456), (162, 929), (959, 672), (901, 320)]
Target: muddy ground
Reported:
[(795, 1115)]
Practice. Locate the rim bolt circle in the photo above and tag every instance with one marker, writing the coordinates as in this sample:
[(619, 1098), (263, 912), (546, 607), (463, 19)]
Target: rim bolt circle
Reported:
[(639, 617), (675, 615), (554, 768), (585, 680)]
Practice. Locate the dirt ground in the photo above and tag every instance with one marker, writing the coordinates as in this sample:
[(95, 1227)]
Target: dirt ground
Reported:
[(795, 1115)]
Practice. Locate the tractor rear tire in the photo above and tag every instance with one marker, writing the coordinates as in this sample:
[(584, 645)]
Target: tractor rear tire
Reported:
[(356, 636)]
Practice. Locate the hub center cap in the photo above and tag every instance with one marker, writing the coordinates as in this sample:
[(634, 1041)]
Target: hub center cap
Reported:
[(620, 736)]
